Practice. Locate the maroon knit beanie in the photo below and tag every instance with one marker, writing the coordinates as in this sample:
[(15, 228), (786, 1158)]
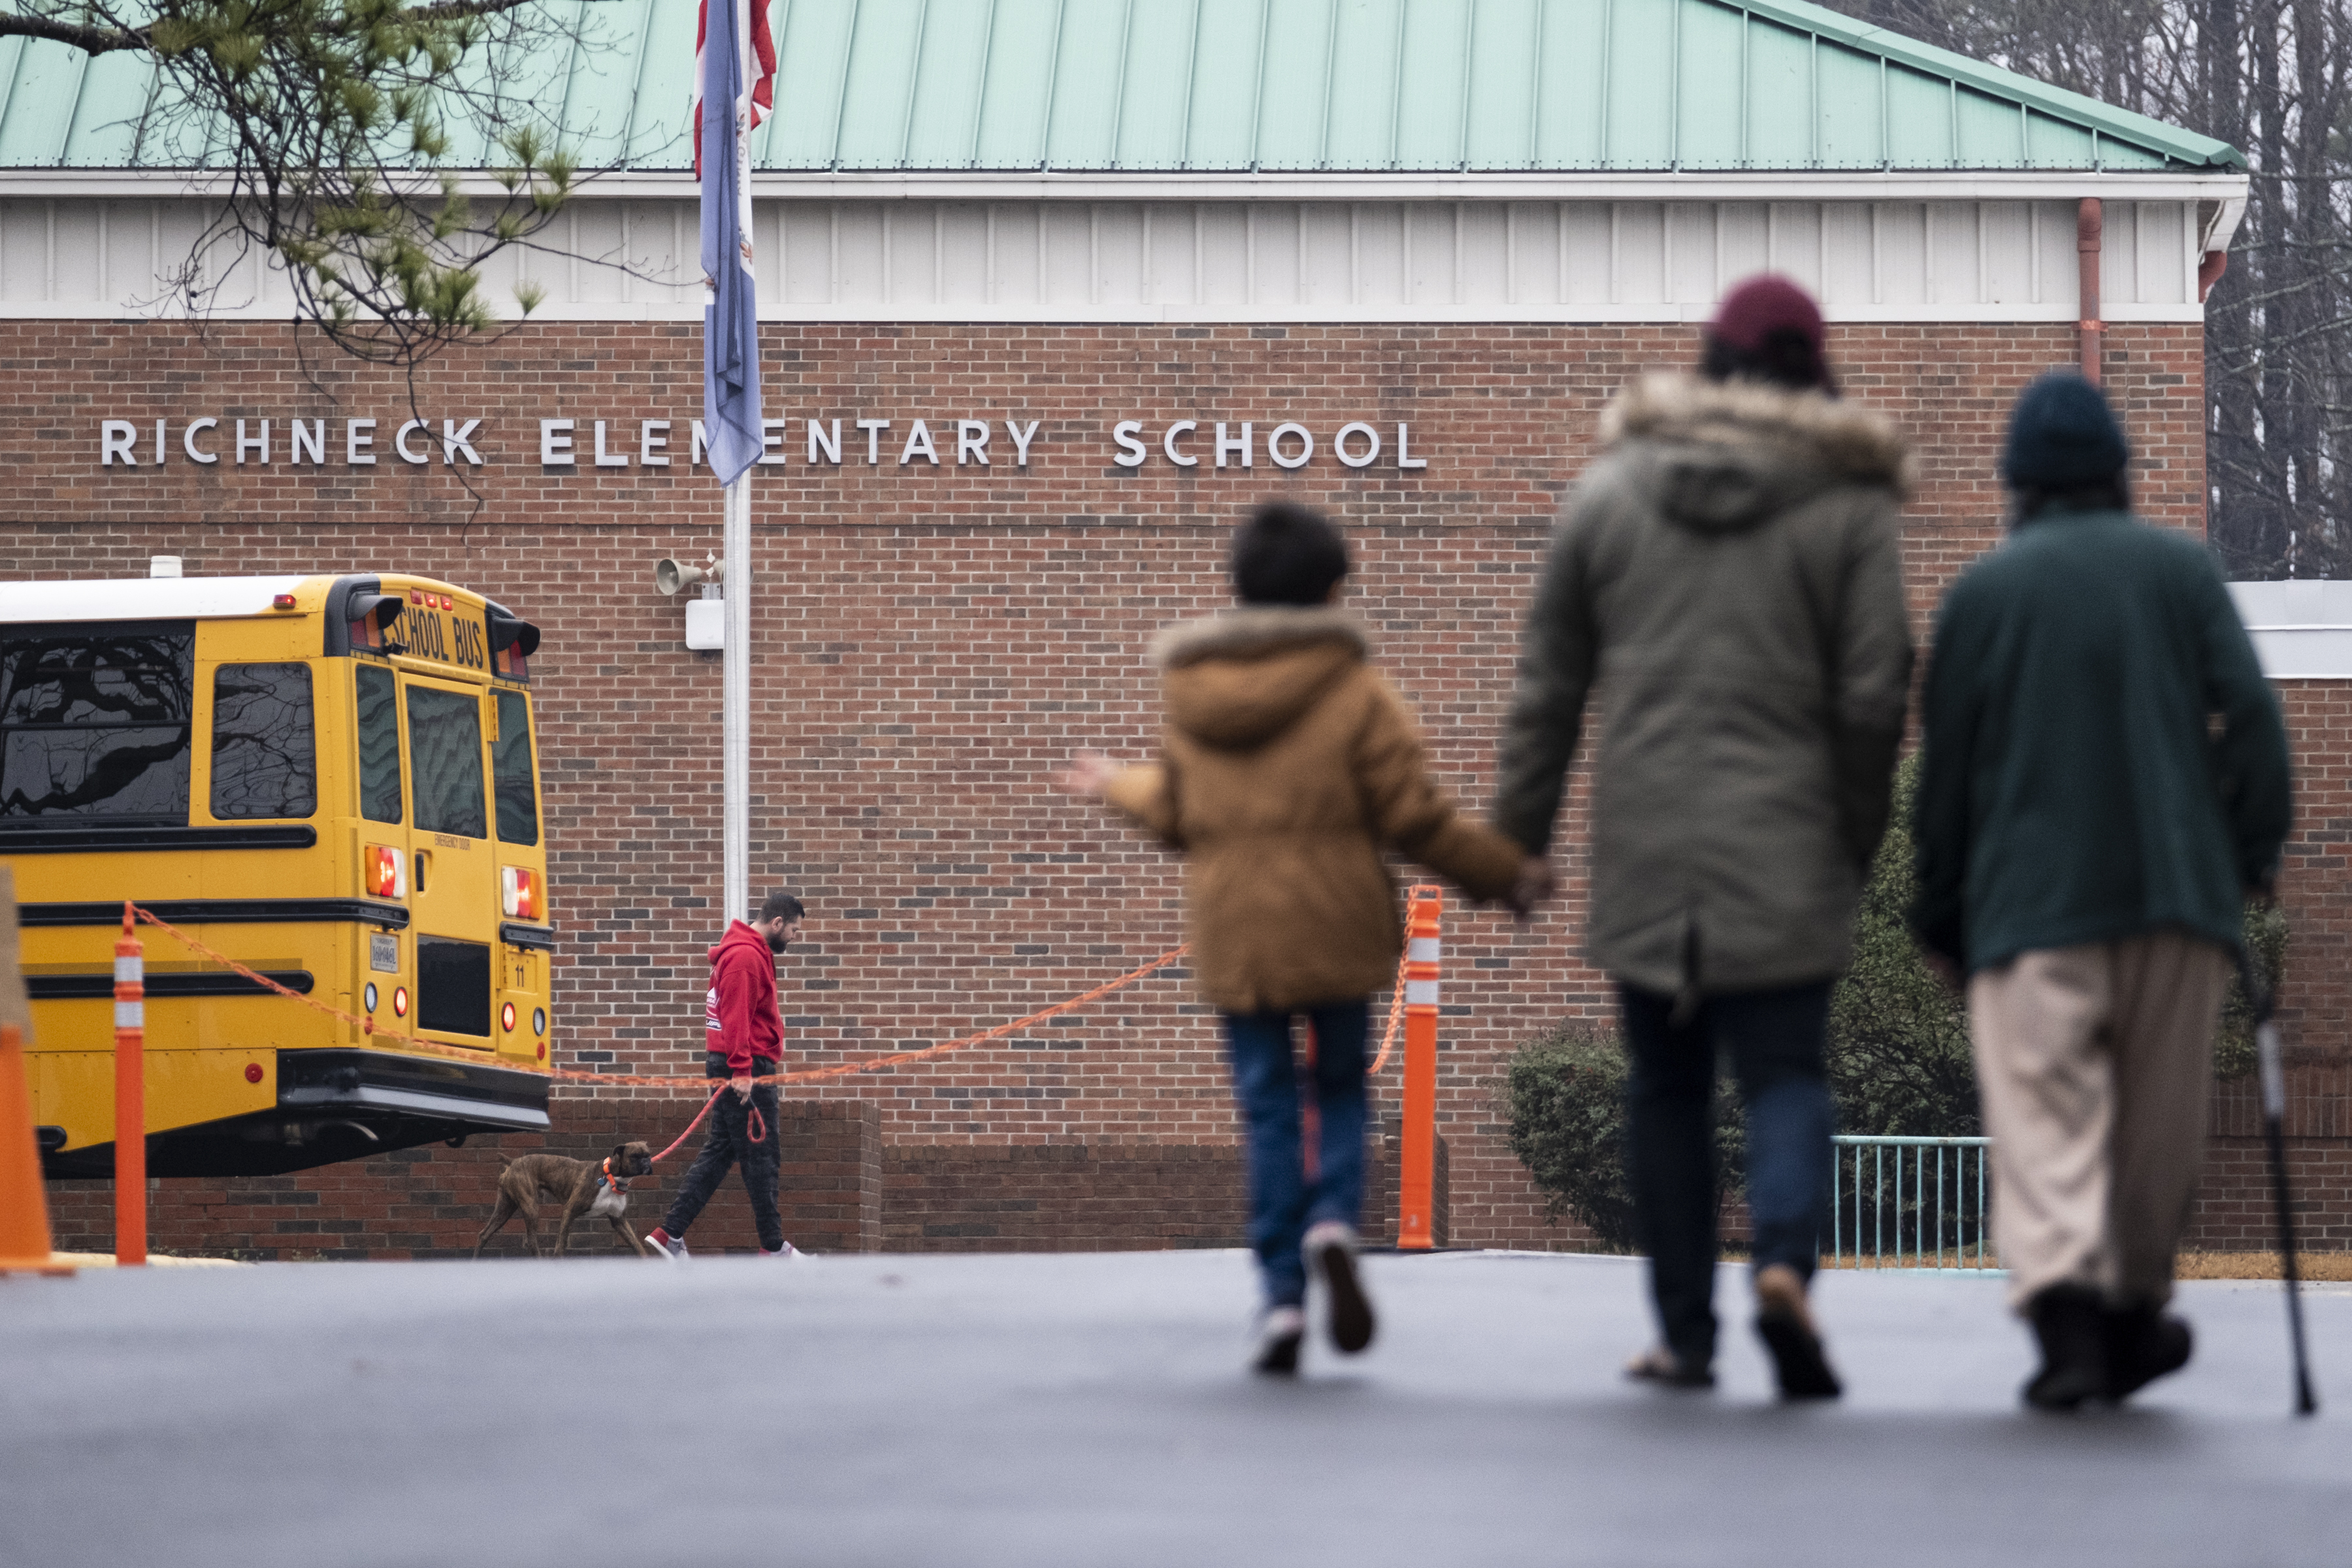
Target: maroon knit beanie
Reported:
[(1764, 305)]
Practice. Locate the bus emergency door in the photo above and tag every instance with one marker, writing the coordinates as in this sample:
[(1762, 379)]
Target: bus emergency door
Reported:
[(454, 867)]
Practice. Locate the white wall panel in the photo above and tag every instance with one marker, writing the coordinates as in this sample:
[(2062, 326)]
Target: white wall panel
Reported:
[(1902, 246), (1325, 260), (1690, 258)]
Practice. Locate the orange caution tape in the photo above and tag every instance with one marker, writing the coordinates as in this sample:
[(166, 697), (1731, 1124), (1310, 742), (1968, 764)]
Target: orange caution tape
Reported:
[(1396, 1012), (808, 1075)]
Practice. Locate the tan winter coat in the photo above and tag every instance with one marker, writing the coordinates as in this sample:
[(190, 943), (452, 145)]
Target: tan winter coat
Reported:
[(1287, 765), (1729, 577)]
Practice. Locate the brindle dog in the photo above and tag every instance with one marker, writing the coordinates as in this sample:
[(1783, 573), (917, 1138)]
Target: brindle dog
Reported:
[(584, 1186)]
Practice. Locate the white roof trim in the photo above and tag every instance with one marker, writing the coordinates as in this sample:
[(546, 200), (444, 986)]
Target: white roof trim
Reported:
[(141, 598), (2302, 630), (1181, 185)]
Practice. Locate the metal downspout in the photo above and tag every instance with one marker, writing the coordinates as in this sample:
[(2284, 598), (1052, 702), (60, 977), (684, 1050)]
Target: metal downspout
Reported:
[(2087, 227)]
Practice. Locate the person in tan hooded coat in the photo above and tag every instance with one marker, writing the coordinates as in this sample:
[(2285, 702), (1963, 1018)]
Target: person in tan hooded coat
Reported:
[(1288, 765)]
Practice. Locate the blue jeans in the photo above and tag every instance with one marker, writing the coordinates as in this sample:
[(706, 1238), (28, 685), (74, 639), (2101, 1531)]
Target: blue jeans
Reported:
[(1776, 1041), (1282, 1202)]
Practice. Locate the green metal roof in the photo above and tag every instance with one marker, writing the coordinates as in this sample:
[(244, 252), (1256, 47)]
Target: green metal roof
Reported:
[(1232, 86)]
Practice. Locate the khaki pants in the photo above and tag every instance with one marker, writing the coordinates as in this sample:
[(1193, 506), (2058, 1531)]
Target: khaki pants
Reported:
[(2094, 1063)]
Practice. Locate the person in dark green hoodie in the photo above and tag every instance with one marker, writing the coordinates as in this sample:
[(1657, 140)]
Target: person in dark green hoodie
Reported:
[(2105, 782)]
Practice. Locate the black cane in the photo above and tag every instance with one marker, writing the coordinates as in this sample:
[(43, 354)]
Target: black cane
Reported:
[(2260, 1001)]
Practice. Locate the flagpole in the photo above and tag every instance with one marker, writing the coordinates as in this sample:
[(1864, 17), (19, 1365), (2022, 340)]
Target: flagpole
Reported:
[(735, 754)]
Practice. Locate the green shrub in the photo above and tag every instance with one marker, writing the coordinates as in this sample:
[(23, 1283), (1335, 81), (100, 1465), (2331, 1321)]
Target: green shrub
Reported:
[(1564, 1097), (2266, 940), (1898, 1039)]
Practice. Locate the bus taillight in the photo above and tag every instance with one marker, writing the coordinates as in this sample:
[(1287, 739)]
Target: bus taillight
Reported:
[(384, 872), (519, 892)]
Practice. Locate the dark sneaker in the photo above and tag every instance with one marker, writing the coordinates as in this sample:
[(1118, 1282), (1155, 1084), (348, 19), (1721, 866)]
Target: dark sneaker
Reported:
[(1784, 1321), (1331, 1246), (2067, 1321), (1279, 1334), (2142, 1343), (666, 1246), (1662, 1366)]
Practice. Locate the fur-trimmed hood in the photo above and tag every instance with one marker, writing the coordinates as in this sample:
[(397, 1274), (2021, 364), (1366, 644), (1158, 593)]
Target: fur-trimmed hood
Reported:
[(1728, 455), (1239, 678)]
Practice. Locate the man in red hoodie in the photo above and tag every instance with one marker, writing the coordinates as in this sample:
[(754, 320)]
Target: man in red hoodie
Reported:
[(746, 1036)]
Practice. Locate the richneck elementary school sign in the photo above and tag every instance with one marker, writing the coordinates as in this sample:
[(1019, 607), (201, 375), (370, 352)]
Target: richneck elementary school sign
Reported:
[(599, 445)]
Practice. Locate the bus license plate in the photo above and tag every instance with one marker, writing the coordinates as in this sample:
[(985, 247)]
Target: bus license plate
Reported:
[(384, 953)]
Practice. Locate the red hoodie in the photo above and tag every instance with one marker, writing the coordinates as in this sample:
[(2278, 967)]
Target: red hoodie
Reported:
[(740, 1012)]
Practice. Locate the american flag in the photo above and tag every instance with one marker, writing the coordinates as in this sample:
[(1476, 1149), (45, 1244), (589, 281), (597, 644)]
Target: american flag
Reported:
[(762, 52)]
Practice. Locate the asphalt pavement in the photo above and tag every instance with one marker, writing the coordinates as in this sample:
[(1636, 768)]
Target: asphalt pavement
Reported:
[(1093, 1409)]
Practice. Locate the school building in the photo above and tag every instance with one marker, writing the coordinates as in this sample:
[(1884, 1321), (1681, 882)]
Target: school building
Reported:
[(1050, 293)]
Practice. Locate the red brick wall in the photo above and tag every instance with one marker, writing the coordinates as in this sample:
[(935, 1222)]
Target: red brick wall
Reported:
[(930, 643), (433, 1202)]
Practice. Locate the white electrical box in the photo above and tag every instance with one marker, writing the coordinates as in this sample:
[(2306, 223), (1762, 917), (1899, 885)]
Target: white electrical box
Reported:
[(706, 624)]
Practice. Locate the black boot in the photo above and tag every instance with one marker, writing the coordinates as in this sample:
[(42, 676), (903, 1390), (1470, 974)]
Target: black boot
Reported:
[(2142, 1343), (2067, 1321)]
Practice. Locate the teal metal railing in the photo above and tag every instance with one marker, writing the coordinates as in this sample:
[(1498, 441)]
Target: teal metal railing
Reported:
[(1911, 1203)]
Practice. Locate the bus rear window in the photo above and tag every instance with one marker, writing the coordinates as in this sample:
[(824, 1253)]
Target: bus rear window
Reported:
[(264, 744), (445, 761), (511, 761), (95, 724), (379, 730)]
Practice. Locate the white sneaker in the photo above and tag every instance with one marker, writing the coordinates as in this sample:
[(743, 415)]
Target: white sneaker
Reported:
[(1331, 1246), (1278, 1334), (788, 1253)]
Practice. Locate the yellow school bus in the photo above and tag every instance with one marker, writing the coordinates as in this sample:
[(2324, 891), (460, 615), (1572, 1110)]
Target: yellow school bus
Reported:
[(330, 780)]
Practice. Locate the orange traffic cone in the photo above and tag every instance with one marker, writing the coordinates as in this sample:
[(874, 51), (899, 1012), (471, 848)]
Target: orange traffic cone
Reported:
[(24, 1207)]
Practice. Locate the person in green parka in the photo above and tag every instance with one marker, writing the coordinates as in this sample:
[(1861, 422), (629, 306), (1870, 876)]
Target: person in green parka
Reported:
[(2105, 782)]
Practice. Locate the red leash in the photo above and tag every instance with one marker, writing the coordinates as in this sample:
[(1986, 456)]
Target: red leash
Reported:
[(755, 1127)]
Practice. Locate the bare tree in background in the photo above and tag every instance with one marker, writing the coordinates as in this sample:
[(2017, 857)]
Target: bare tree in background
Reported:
[(2269, 78), (332, 135)]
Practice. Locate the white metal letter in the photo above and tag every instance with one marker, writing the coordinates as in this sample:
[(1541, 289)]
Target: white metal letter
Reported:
[(608, 459), (357, 439), (972, 442), (919, 444), (874, 428), (1131, 452), (1405, 459), (310, 438), (1340, 444), (400, 442), (1021, 439), (652, 437), (771, 441), (252, 444), (188, 439), (457, 438), (1168, 443), (114, 439), (1238, 444), (820, 442), (1273, 445), (555, 444), (701, 443)]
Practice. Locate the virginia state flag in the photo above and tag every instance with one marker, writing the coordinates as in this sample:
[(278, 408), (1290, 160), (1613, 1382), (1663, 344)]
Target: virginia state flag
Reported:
[(730, 99)]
